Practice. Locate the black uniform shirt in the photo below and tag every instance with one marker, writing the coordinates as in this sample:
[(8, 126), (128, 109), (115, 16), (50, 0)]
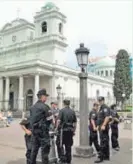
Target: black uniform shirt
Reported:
[(39, 111), (93, 116), (67, 117), (114, 114), (103, 113)]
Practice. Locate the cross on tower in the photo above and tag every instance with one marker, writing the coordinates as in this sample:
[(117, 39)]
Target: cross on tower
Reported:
[(18, 12)]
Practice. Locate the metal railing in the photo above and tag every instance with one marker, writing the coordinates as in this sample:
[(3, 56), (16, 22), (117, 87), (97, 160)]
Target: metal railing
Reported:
[(13, 105)]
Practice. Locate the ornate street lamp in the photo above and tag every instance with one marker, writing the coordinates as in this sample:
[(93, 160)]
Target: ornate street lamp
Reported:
[(58, 88), (59, 97), (82, 54), (123, 95), (83, 150), (123, 100)]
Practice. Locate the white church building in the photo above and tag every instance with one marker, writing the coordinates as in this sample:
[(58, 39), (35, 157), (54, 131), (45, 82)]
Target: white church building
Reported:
[(32, 56)]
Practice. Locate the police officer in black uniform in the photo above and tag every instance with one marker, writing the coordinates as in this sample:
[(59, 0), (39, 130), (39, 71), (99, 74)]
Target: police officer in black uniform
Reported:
[(93, 127), (114, 127), (103, 124), (55, 112), (25, 124), (66, 124), (40, 119)]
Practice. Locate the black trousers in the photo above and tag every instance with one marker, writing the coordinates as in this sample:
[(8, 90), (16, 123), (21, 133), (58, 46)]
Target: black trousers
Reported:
[(104, 144), (60, 148), (114, 136), (67, 142), (43, 142), (28, 148), (94, 140)]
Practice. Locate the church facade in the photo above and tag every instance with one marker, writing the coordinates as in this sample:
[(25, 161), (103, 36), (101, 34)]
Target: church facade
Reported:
[(32, 56)]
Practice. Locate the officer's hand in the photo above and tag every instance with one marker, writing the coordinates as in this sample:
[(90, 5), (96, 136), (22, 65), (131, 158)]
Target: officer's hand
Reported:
[(28, 132), (95, 129), (56, 130), (102, 127)]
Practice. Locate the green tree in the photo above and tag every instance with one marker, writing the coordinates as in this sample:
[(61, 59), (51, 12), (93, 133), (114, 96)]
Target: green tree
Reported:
[(122, 80)]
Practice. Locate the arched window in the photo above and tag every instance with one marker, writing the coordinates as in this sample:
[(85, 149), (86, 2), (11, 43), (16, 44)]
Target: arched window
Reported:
[(98, 72), (29, 99), (44, 27), (60, 28), (111, 73), (97, 94), (101, 73), (108, 94), (106, 73)]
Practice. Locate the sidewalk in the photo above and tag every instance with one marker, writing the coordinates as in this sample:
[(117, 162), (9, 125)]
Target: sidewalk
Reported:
[(12, 147)]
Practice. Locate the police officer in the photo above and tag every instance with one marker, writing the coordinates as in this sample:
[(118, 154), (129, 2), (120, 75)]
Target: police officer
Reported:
[(55, 111), (40, 119), (114, 127), (103, 124), (66, 124), (25, 125), (93, 127)]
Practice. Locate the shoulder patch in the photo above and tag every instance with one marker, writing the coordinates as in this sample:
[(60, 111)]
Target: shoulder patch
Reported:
[(93, 114)]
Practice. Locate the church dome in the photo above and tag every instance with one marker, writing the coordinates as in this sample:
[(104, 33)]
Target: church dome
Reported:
[(49, 5), (105, 62)]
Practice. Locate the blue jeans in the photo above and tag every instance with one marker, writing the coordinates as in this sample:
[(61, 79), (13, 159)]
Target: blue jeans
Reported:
[(9, 119)]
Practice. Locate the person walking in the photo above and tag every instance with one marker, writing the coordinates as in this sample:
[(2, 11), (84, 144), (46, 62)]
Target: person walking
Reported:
[(103, 126), (40, 119), (66, 126), (114, 128), (93, 139)]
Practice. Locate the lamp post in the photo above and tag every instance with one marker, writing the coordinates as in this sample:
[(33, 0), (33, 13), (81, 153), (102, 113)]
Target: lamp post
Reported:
[(58, 88), (123, 100), (83, 150)]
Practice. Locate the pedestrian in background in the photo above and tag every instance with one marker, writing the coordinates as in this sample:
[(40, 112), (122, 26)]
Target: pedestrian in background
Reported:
[(93, 137), (9, 117), (103, 126), (114, 128), (66, 126)]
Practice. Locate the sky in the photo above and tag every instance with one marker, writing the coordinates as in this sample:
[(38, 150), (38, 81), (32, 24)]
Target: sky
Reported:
[(103, 26)]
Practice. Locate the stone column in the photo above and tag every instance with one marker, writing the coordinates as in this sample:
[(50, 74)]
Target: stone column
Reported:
[(84, 150), (36, 87), (59, 99), (21, 92), (52, 87), (1, 93), (7, 89), (91, 90)]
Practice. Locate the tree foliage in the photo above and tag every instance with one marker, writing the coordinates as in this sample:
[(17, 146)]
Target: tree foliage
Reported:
[(122, 78)]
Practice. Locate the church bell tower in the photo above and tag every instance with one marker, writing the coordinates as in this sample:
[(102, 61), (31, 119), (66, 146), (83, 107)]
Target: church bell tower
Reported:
[(49, 27)]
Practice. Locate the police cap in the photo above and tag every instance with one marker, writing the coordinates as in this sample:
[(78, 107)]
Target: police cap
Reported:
[(66, 102), (101, 98), (54, 102), (42, 92)]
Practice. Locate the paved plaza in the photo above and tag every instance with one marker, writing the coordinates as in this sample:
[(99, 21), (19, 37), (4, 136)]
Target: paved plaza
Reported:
[(12, 148)]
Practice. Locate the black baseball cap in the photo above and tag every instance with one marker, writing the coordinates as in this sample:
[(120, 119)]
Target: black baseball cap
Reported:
[(101, 98), (42, 92)]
